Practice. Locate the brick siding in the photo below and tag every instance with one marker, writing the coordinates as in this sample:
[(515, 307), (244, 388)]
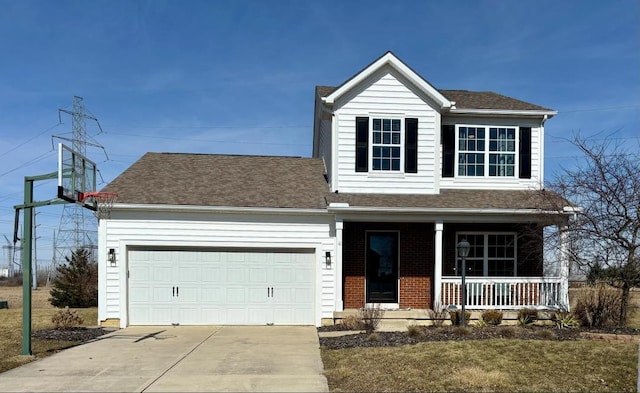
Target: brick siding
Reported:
[(416, 262)]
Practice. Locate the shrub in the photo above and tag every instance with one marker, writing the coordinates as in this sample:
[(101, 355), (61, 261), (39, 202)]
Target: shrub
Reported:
[(352, 322), (373, 337), (461, 330), (599, 306), (66, 319), (415, 331), (507, 331), (456, 317), (371, 317), (546, 334), (527, 316), (438, 314), (492, 317), (563, 319), (76, 282)]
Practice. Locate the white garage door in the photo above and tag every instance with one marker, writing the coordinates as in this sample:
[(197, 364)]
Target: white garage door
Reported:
[(201, 287)]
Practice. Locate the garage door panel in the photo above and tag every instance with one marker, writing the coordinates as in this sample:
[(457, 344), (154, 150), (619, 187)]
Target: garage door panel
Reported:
[(221, 287)]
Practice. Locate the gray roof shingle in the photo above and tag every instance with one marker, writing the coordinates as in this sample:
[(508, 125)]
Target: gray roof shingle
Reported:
[(466, 99), (456, 199), (223, 180)]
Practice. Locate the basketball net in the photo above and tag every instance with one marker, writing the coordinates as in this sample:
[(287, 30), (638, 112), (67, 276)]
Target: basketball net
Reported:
[(103, 202)]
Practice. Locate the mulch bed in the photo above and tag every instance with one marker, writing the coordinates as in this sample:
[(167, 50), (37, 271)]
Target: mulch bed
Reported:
[(453, 333), (77, 334)]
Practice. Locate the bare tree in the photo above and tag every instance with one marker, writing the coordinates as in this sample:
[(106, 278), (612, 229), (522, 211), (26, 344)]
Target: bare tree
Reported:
[(604, 234)]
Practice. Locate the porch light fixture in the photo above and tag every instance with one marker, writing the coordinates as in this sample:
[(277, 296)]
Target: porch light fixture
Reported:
[(111, 256), (463, 251), (327, 259)]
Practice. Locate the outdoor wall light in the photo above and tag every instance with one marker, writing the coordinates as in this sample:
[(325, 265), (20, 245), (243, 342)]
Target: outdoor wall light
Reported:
[(111, 257), (327, 259)]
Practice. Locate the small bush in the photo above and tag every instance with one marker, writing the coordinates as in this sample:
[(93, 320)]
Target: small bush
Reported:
[(375, 337), (546, 334), (438, 314), (527, 316), (415, 331), (66, 319), (599, 306), (456, 317), (507, 331), (371, 317), (461, 330), (563, 320), (352, 322), (492, 317)]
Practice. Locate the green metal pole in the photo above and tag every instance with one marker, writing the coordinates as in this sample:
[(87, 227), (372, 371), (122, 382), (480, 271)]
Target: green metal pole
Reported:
[(26, 266)]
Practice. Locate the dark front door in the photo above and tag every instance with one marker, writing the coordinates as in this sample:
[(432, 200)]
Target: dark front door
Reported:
[(382, 267)]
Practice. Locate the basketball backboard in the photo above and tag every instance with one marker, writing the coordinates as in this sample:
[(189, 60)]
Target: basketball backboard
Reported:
[(76, 174)]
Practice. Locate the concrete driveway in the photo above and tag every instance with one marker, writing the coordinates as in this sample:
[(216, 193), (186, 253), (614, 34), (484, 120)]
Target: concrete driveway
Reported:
[(181, 359)]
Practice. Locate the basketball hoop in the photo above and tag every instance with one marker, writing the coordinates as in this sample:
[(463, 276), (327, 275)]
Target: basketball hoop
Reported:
[(100, 202)]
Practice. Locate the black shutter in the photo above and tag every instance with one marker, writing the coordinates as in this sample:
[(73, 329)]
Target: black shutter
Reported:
[(525, 152), (448, 138), (362, 144), (411, 145)]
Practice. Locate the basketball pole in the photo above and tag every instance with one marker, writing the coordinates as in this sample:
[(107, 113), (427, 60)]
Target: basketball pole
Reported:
[(27, 252)]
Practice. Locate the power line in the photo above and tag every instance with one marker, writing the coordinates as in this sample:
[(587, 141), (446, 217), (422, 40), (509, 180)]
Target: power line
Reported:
[(206, 140)]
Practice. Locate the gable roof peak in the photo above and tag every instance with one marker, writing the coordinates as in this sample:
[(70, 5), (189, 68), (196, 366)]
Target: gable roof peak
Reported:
[(389, 59)]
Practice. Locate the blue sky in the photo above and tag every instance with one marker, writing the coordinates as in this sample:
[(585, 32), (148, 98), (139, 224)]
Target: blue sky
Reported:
[(238, 76)]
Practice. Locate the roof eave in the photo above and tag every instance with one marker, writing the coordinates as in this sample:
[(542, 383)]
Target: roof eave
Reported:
[(503, 112), (345, 208), (406, 71), (216, 209)]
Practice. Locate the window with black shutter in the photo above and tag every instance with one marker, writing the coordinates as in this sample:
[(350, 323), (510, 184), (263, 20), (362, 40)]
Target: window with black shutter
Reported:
[(362, 144), (448, 139), (525, 152), (411, 145)]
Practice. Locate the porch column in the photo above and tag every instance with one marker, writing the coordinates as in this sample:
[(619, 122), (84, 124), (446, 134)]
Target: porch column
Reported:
[(339, 305), (564, 266), (437, 271)]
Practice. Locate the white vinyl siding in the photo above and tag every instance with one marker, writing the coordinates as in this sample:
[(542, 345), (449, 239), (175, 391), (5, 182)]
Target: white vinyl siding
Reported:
[(386, 95), (324, 145), (211, 231), (499, 182)]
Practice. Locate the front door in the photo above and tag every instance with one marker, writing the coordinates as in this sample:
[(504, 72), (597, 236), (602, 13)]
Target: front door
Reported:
[(382, 267)]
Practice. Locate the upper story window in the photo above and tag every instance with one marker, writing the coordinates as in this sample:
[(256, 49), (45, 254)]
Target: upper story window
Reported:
[(486, 151), (386, 144)]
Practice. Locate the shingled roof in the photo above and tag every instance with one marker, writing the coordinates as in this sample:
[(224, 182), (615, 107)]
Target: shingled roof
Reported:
[(223, 180), (457, 199), (466, 99)]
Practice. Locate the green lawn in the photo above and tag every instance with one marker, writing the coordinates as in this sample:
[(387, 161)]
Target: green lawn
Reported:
[(500, 365)]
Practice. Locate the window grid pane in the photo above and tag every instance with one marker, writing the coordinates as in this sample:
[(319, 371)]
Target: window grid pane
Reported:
[(471, 146), (386, 144), (499, 259), (502, 139)]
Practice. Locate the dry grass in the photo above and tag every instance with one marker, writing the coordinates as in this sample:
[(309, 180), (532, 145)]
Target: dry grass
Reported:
[(42, 311), (500, 365)]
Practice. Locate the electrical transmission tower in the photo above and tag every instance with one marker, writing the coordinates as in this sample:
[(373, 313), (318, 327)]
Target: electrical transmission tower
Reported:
[(78, 227)]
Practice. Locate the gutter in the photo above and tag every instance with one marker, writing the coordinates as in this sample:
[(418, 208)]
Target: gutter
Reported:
[(345, 208), (217, 209), (505, 112)]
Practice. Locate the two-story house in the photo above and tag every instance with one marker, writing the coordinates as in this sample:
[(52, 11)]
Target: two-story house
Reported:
[(401, 173)]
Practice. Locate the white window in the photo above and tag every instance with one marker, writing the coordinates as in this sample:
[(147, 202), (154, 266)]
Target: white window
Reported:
[(486, 151), (491, 254), (386, 144)]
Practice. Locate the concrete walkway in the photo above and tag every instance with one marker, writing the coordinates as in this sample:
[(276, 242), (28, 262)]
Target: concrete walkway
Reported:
[(181, 359)]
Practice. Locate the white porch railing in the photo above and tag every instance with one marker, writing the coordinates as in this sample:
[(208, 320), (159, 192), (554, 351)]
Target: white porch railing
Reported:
[(505, 292)]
